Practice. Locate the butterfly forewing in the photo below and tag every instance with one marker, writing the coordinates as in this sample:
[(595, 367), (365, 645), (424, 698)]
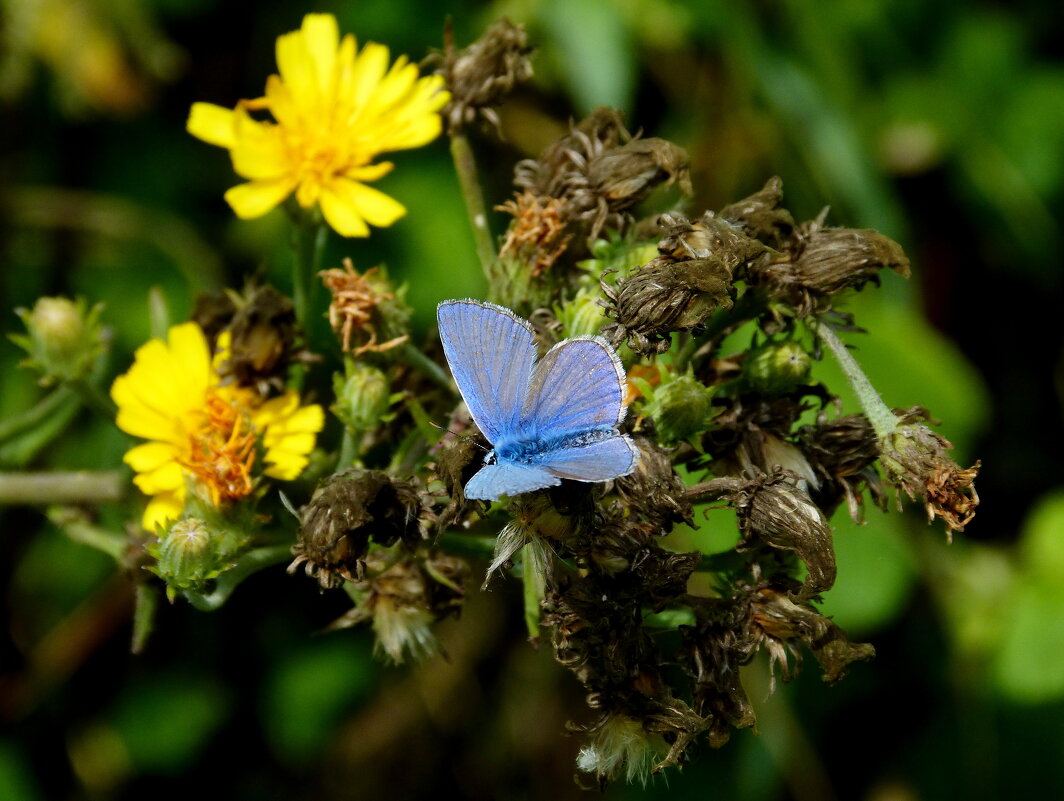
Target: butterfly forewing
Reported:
[(490, 351), (577, 386), (595, 461)]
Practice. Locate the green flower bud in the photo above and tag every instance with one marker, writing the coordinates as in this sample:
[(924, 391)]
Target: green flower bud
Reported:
[(776, 368), (63, 338), (363, 396), (188, 554), (583, 315), (681, 409)]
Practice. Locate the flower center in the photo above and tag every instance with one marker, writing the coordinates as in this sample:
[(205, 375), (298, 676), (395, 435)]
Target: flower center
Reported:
[(222, 451)]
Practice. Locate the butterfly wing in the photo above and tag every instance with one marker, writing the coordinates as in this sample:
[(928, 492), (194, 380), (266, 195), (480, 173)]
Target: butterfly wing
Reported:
[(577, 386), (508, 478), (490, 351), (601, 460)]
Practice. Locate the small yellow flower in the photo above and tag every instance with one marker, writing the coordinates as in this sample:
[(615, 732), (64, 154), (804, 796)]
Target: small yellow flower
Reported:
[(336, 109), (201, 431)]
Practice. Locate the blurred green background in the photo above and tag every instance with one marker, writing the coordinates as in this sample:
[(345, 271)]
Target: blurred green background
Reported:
[(940, 124)]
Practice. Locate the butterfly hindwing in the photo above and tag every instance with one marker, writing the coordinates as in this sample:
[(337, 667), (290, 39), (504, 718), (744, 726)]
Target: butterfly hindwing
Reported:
[(602, 460), (578, 385), (491, 351), (508, 478)]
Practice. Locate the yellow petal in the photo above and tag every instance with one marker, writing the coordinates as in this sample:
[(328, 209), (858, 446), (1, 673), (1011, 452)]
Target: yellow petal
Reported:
[(162, 509), (369, 69), (371, 204), (296, 68), (371, 172), (211, 123), (321, 37), (167, 478), (258, 197), (341, 213), (149, 456), (258, 150)]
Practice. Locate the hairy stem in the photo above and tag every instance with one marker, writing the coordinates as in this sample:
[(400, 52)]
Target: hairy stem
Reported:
[(466, 167), (882, 418)]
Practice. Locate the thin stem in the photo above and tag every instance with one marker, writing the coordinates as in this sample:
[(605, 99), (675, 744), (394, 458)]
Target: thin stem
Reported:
[(347, 450), (466, 167), (74, 525), (251, 562), (427, 366), (84, 486), (309, 234), (91, 395), (45, 408), (879, 414)]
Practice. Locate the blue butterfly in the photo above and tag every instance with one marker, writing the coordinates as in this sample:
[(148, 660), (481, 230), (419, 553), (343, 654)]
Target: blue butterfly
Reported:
[(547, 420)]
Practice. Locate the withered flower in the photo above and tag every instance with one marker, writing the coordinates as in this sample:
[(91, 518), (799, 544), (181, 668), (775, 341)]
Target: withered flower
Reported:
[(365, 307), (762, 216), (653, 489), (773, 510), (914, 460), (663, 297), (829, 260), (783, 621), (402, 598), (481, 76), (843, 453), (348, 510), (709, 237), (537, 236), (262, 328)]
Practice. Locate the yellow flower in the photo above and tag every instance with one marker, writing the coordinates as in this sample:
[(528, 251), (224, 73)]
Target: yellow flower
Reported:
[(201, 431), (336, 109)]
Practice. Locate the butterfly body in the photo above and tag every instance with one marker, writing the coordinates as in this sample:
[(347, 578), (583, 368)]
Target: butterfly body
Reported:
[(547, 420)]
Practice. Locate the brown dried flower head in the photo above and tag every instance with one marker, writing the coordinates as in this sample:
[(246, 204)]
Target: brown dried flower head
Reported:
[(762, 216), (262, 331), (348, 510), (915, 461), (480, 77), (709, 237), (829, 260), (537, 236), (842, 453), (654, 489), (356, 311)]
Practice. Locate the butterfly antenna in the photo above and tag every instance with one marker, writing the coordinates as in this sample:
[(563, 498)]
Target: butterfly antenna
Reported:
[(468, 439)]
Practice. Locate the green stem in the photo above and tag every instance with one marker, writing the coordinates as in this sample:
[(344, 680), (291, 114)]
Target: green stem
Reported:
[(45, 488), (45, 408), (309, 234), (427, 366), (879, 414), (147, 604), (466, 167), (468, 544), (250, 562), (91, 395), (347, 449), (73, 523)]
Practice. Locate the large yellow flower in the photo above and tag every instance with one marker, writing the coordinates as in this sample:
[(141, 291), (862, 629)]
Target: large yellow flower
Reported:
[(336, 109), (201, 431)]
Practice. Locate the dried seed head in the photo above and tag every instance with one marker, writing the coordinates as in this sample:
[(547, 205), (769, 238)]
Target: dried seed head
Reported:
[(481, 76), (663, 297), (762, 216), (403, 598), (653, 489), (774, 511), (843, 453), (537, 236), (347, 511), (914, 460), (709, 237), (829, 260), (366, 312)]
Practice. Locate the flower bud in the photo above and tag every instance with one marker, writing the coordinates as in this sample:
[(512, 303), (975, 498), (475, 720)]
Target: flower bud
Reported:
[(681, 408), (63, 339), (581, 316), (777, 368), (194, 550), (363, 396), (347, 511)]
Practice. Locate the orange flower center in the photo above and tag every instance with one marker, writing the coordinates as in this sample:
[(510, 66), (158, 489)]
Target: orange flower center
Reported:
[(222, 451)]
